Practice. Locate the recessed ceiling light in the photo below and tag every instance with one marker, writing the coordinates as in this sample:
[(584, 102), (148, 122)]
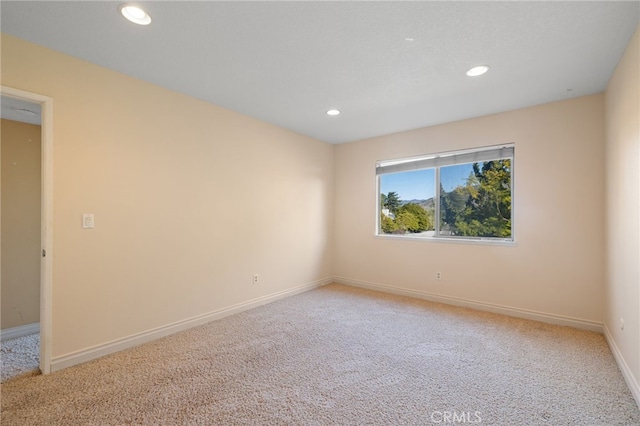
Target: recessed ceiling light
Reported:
[(135, 14), (409, 39), (476, 71), (333, 112)]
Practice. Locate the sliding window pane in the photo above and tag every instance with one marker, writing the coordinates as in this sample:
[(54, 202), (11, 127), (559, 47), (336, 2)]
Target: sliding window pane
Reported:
[(407, 202), (475, 199)]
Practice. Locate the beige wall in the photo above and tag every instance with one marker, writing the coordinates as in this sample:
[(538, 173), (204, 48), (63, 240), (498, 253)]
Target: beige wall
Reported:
[(20, 288), (190, 200), (623, 207), (557, 265)]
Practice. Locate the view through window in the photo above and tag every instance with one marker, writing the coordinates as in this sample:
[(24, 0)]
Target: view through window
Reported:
[(461, 195)]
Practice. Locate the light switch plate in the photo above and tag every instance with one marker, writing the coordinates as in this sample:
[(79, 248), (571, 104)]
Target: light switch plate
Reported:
[(88, 221)]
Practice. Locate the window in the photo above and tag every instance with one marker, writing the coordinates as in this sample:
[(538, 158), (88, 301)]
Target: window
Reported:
[(464, 195)]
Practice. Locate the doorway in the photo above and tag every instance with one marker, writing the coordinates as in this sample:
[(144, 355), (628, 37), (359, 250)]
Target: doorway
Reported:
[(30, 104)]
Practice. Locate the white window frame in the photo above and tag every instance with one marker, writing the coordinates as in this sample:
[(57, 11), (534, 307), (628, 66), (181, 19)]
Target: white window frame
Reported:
[(436, 161)]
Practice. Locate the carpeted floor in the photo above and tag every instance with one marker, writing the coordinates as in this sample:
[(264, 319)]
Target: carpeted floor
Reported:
[(20, 356), (341, 356)]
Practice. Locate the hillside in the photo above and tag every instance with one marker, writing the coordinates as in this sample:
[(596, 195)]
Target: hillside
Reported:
[(427, 204)]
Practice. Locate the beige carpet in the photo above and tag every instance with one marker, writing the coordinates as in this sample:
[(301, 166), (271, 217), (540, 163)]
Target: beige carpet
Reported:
[(341, 356)]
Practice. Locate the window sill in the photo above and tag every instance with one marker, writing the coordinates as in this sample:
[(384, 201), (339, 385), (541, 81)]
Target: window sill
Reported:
[(449, 240)]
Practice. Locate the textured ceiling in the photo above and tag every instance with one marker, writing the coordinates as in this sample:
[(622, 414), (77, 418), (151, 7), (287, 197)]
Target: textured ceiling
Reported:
[(288, 62)]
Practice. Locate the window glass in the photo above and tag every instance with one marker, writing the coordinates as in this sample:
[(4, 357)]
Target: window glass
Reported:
[(407, 202), (475, 199)]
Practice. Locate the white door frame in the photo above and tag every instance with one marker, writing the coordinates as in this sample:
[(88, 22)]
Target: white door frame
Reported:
[(46, 218)]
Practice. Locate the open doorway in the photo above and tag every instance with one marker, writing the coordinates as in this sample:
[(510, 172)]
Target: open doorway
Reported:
[(26, 208), (20, 151)]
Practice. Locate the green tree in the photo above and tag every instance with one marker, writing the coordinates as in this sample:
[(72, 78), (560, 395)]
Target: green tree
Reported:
[(387, 224), (452, 204), (406, 222), (487, 211), (391, 202), (417, 218)]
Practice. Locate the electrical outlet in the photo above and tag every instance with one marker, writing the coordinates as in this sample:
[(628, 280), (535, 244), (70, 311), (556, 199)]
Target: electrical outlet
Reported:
[(256, 278), (438, 275), (88, 222)]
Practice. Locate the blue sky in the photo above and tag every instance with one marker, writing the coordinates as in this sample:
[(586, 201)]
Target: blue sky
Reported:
[(413, 185), (419, 184)]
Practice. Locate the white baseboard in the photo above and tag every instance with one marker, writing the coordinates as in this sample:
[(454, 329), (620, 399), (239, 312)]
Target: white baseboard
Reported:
[(481, 306), (634, 387), (19, 331), (84, 355)]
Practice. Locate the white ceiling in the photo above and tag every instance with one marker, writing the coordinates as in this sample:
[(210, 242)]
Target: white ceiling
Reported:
[(288, 62)]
